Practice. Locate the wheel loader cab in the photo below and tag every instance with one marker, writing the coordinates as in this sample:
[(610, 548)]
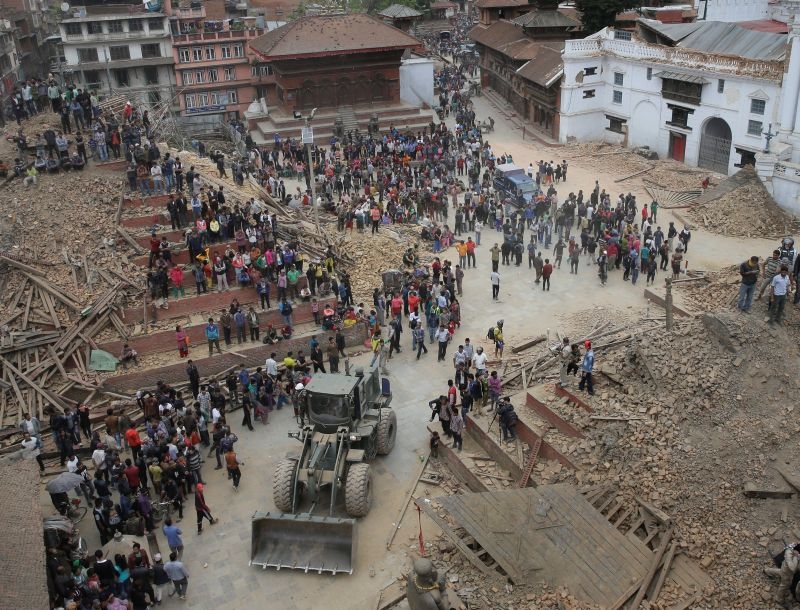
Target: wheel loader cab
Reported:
[(327, 412)]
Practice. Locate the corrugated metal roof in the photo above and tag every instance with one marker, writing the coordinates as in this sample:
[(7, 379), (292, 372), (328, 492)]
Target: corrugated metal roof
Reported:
[(722, 39), (546, 19), (399, 11), (506, 38), (500, 3), (686, 78)]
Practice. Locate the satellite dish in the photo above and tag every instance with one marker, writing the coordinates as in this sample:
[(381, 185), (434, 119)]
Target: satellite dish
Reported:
[(65, 7)]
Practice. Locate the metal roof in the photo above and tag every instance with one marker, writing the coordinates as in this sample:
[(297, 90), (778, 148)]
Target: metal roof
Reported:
[(399, 11), (721, 38), (686, 78), (333, 384), (546, 19), (546, 67)]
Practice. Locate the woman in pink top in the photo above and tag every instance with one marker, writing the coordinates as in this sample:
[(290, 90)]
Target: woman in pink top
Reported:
[(181, 340)]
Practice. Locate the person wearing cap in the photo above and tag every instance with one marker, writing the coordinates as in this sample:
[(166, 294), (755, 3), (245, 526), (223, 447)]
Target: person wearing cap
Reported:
[(779, 290), (749, 271), (587, 366), (160, 578)]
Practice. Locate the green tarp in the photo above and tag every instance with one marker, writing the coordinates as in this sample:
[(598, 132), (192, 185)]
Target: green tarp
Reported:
[(102, 361)]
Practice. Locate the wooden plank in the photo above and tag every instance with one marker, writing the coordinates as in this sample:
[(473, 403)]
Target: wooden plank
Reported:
[(662, 576), (752, 491), (51, 308), (528, 344), (28, 301), (688, 602), (406, 502), (788, 477), (22, 266), (18, 295), (454, 538), (49, 397), (129, 239), (658, 514), (59, 365), (665, 541)]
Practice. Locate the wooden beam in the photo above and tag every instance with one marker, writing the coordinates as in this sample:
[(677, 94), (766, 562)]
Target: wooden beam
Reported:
[(666, 539), (406, 502), (528, 344), (26, 316), (129, 239), (48, 396), (51, 350), (688, 602), (22, 266), (662, 577), (658, 514)]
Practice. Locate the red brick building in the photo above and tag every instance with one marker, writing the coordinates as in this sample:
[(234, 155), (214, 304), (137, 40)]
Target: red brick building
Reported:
[(329, 61)]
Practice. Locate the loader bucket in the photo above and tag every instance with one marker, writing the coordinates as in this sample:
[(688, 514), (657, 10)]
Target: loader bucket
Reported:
[(303, 542)]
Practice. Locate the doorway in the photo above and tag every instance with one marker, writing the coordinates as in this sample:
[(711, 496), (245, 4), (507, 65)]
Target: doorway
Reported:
[(715, 146), (677, 146)]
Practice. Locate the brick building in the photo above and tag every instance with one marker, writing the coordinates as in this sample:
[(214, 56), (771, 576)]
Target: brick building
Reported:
[(327, 61)]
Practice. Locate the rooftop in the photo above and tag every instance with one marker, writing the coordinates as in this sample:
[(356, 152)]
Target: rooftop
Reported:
[(717, 37), (546, 67), (546, 19), (506, 38), (399, 11), (327, 35), (500, 3)]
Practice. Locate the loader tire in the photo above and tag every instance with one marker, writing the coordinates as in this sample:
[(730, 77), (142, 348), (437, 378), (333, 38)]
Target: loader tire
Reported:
[(283, 485), (358, 490), (387, 431)]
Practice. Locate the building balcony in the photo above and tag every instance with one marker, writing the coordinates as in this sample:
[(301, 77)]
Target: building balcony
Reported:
[(114, 64), (115, 36), (184, 39), (188, 13), (220, 84)]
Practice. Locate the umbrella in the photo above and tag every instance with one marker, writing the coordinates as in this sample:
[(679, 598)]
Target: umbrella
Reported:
[(66, 481), (123, 545)]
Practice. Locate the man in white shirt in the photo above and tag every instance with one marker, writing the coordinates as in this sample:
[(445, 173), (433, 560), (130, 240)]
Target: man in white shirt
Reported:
[(479, 360), (442, 336), (31, 449), (495, 279), (271, 366), (779, 290)]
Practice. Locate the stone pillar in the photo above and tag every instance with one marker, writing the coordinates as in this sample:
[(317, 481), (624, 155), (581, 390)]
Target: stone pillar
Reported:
[(791, 80)]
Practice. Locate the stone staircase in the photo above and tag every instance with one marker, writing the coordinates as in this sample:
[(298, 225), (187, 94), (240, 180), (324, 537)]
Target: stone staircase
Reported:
[(348, 116)]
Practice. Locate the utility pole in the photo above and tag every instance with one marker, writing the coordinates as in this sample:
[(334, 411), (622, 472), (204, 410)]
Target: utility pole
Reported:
[(308, 141)]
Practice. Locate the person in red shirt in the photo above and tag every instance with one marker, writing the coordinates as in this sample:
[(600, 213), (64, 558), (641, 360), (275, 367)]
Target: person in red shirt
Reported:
[(547, 271), (155, 246), (470, 253), (375, 214), (133, 440), (396, 305), (413, 301), (644, 215), (132, 474)]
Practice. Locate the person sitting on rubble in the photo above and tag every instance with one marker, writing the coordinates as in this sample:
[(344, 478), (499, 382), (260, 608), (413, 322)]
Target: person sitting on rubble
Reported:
[(787, 562), (286, 332), (271, 336), (31, 176), (19, 168), (128, 355)]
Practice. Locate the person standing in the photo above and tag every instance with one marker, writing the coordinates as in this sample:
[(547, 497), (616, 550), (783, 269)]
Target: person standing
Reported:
[(232, 462), (32, 450), (333, 355), (457, 427), (495, 389), (177, 574), (495, 279), (226, 320), (443, 337), (779, 289), (160, 578), (212, 336), (749, 271), (201, 508), (418, 334), (770, 268), (240, 319), (587, 366), (547, 271), (194, 378), (495, 251), (173, 536), (565, 355)]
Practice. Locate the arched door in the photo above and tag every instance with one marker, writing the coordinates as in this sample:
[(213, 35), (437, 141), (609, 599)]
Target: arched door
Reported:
[(715, 146)]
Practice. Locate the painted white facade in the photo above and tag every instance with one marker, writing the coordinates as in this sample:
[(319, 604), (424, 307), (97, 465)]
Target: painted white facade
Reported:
[(416, 82), (128, 53), (732, 11), (613, 84)]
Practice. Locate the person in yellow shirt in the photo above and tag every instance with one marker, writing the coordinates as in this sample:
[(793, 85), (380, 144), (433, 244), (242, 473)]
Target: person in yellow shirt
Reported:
[(461, 248)]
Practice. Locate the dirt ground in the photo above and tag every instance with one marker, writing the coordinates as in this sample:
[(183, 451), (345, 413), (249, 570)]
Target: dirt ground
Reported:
[(713, 418)]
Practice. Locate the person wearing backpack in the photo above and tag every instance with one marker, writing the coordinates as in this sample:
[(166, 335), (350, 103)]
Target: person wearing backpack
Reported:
[(286, 312)]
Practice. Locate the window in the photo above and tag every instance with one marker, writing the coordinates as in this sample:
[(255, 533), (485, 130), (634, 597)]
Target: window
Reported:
[(225, 51), (615, 124), (95, 27), (156, 25), (590, 71), (617, 99), (619, 79), (197, 53), (215, 98), (87, 55), (135, 25), (186, 77), (622, 35), (681, 91), (213, 75), (151, 75), (680, 116), (151, 50), (754, 128), (233, 96), (209, 52), (189, 100), (649, 73), (721, 85), (91, 79), (122, 78), (183, 56), (588, 93), (73, 29), (757, 106), (200, 77), (115, 27), (121, 52), (202, 99), (230, 73), (238, 50)]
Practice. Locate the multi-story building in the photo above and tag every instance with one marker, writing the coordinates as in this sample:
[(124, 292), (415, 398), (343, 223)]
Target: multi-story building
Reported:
[(9, 59), (120, 49), (214, 67), (701, 93)]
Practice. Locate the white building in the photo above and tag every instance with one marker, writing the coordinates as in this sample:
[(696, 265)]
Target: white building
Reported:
[(122, 49), (732, 10), (702, 93)]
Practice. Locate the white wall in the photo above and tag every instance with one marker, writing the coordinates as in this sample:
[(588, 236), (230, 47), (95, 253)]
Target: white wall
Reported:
[(646, 113), (416, 82), (732, 10)]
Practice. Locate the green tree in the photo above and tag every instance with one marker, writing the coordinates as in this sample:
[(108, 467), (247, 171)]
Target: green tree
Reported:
[(597, 14)]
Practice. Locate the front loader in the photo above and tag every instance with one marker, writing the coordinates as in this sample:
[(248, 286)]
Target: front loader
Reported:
[(347, 423)]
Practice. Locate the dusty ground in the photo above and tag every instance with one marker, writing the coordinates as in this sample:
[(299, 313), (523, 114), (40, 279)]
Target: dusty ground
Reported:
[(721, 423)]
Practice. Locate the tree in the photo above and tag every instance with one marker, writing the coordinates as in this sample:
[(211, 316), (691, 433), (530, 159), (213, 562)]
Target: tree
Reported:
[(597, 14)]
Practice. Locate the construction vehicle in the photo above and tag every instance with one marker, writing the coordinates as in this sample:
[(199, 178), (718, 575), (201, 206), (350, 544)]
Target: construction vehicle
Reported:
[(347, 422)]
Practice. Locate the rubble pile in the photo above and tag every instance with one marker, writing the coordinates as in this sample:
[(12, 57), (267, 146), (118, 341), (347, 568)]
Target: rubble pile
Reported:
[(715, 289), (746, 211)]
